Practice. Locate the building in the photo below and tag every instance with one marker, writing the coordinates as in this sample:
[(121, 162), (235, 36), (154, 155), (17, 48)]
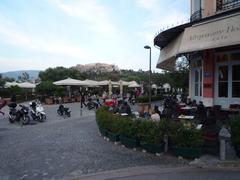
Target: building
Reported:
[(211, 43)]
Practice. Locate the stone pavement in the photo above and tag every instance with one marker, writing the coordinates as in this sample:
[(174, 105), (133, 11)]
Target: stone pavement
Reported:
[(67, 147), (157, 173)]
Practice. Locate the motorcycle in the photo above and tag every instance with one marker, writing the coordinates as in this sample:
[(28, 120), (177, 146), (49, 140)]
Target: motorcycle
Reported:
[(63, 111), (37, 111), (92, 104), (20, 115)]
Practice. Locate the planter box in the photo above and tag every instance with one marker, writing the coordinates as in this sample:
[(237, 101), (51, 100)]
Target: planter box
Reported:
[(237, 150), (103, 131), (113, 137), (129, 142), (152, 148), (187, 152)]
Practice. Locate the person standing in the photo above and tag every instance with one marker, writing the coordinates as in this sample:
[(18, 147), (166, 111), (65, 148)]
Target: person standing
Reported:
[(83, 100)]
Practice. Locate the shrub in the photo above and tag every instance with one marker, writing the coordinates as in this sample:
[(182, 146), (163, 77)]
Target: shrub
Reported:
[(186, 137), (235, 130), (149, 132)]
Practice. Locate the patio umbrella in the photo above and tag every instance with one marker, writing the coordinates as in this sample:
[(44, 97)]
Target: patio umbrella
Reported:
[(134, 84), (69, 82), (90, 83), (154, 86)]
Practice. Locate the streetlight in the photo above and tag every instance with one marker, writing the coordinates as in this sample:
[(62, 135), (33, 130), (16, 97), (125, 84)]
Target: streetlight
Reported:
[(150, 73)]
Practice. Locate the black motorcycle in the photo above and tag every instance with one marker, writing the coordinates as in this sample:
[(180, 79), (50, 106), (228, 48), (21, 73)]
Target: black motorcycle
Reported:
[(63, 111), (92, 104), (20, 115)]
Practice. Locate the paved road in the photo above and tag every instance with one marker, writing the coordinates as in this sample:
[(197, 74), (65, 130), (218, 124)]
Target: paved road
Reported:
[(62, 148), (158, 173)]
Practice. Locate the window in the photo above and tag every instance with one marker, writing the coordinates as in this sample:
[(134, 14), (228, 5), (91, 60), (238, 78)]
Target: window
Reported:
[(223, 81), (198, 82), (236, 81)]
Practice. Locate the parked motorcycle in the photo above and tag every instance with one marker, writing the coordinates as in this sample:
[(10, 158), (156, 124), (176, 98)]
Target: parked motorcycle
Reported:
[(20, 115), (92, 104), (37, 111), (63, 111)]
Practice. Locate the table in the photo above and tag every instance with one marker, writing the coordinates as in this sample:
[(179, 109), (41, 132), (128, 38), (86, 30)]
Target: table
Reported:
[(186, 117), (188, 108)]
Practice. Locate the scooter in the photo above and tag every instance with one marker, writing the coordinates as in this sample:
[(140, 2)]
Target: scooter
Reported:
[(63, 111), (37, 111), (20, 115)]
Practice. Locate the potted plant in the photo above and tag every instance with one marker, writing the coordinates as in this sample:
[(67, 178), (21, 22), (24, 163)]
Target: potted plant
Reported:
[(187, 142), (235, 133), (151, 136)]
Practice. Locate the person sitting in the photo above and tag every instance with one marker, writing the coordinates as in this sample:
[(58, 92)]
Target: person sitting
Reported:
[(125, 108), (157, 110), (155, 116), (189, 102)]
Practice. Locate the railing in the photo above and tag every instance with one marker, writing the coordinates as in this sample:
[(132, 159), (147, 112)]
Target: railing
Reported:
[(196, 16), (223, 5)]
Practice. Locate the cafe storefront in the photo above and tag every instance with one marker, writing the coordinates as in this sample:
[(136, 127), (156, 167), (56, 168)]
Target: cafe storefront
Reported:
[(212, 46)]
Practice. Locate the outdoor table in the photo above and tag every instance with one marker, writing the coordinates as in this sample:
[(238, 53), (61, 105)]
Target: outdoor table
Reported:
[(184, 117), (188, 108)]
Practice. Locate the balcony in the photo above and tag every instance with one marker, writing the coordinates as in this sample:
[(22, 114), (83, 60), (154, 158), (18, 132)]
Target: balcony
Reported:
[(224, 5), (196, 16)]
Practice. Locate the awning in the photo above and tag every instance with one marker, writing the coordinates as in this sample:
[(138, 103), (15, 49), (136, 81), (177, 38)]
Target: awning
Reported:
[(167, 58), (212, 34), (215, 33)]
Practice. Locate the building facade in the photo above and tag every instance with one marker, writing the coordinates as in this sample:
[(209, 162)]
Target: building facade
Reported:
[(211, 43)]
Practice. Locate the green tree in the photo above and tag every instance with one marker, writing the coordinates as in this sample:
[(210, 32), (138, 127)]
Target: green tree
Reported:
[(46, 87)]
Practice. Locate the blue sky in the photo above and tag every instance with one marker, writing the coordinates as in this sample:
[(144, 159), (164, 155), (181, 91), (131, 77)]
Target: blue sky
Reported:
[(37, 34)]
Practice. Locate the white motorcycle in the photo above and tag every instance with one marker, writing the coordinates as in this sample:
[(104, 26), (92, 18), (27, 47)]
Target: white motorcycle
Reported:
[(37, 111)]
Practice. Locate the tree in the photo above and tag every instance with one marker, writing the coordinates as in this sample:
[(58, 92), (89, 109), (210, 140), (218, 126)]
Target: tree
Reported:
[(24, 77), (46, 87)]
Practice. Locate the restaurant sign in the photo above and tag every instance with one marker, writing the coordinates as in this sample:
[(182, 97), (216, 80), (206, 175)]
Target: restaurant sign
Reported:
[(211, 34)]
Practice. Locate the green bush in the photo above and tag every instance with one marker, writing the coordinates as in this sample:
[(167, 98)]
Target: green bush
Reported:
[(235, 130), (149, 131), (146, 130), (186, 137), (145, 99)]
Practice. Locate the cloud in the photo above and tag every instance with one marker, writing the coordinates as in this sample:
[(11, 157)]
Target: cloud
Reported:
[(147, 4), (88, 11), (12, 34)]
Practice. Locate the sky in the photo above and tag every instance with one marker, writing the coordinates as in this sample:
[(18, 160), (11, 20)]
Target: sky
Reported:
[(37, 34)]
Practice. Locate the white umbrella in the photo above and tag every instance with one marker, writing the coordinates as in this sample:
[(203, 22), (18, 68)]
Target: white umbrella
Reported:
[(134, 84), (106, 82), (9, 84), (26, 85), (154, 86), (90, 83), (69, 82)]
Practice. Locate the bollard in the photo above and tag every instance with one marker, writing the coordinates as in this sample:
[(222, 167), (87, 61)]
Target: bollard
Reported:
[(165, 139), (224, 135)]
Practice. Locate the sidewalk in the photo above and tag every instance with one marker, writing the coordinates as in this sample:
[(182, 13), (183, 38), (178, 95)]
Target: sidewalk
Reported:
[(155, 172)]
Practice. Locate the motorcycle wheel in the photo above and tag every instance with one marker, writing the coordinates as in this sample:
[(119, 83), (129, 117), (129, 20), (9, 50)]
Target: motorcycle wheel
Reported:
[(11, 120), (25, 120), (69, 114), (59, 112), (42, 118)]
